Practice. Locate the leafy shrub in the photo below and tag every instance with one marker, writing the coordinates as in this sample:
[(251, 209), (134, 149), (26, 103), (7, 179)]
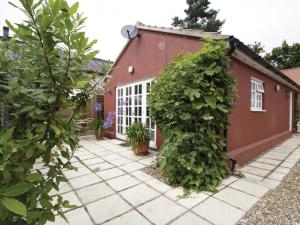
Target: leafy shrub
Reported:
[(43, 64), (190, 101), (137, 134)]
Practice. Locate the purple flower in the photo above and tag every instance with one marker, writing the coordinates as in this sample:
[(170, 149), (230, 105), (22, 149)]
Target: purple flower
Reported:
[(97, 107), (109, 120)]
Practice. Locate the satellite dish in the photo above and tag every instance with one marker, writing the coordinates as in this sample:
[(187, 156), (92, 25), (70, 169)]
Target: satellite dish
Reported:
[(130, 31)]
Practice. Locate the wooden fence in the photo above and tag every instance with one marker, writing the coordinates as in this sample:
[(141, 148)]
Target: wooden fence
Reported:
[(88, 114)]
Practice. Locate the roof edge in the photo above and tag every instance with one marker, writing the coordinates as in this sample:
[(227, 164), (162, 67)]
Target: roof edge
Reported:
[(183, 32), (264, 63)]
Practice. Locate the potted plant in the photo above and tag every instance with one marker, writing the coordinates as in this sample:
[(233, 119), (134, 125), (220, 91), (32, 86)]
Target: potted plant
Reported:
[(97, 123), (138, 137)]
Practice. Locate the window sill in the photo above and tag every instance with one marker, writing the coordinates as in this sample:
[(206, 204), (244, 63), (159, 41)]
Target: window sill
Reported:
[(258, 110)]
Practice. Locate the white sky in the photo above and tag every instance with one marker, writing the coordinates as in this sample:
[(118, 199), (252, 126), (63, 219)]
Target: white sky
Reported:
[(267, 21)]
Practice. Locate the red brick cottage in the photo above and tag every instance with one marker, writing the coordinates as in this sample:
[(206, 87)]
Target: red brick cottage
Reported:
[(264, 111)]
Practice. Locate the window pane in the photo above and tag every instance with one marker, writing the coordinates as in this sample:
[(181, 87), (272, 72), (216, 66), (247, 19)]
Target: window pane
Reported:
[(152, 135)]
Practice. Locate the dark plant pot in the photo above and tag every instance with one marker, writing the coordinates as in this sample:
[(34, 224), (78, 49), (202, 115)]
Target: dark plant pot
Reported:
[(99, 136), (141, 149)]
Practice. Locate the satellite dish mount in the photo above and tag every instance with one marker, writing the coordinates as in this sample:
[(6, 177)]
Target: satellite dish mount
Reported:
[(130, 32)]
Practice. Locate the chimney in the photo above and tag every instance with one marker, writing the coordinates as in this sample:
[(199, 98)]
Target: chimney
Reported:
[(5, 32)]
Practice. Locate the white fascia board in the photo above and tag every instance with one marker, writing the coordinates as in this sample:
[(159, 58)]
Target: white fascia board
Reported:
[(251, 62)]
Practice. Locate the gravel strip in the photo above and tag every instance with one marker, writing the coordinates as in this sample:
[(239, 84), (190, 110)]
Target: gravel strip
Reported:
[(280, 206), (155, 172)]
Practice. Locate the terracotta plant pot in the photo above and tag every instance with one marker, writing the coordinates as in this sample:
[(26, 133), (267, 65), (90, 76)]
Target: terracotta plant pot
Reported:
[(141, 149), (99, 136)]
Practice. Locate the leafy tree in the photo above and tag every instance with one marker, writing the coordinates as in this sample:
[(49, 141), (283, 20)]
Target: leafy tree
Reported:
[(199, 16), (190, 101), (43, 64), (257, 47), (286, 56)]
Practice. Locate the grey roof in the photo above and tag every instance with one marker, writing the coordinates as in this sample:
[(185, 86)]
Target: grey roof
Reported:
[(96, 64)]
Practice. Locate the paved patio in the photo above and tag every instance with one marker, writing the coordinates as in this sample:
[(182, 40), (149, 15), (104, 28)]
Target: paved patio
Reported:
[(110, 189)]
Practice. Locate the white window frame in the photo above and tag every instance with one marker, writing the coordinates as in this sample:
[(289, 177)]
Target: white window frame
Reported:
[(257, 95)]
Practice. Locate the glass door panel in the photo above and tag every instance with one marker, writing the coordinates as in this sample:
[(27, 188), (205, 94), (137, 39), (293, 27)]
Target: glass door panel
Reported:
[(132, 106)]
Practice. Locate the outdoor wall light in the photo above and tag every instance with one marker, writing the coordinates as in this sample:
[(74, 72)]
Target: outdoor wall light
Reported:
[(108, 81), (130, 69), (277, 87), (108, 91)]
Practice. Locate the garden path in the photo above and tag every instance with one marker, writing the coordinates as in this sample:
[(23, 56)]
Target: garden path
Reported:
[(110, 189)]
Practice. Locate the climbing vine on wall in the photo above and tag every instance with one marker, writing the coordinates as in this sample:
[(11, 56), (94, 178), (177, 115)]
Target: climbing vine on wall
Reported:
[(190, 102)]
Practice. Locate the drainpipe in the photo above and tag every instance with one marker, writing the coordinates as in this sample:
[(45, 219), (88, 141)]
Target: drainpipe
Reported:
[(233, 163)]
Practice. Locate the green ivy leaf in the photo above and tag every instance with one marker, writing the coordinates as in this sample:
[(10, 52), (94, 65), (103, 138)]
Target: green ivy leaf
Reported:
[(192, 93), (211, 101), (207, 117), (197, 105), (17, 189), (222, 108), (185, 116), (14, 205)]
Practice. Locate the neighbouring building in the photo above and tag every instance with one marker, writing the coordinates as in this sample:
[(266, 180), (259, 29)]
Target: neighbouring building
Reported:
[(264, 111), (294, 74)]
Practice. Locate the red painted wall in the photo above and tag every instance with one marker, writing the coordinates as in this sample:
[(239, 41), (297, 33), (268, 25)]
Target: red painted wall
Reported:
[(250, 133), (148, 55)]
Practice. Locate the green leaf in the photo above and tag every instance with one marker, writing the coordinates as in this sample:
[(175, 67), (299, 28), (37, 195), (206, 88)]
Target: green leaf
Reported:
[(81, 83), (3, 212), (17, 189), (35, 177), (33, 214), (197, 105), (4, 137), (222, 108), (207, 117), (73, 9), (46, 203), (45, 21), (51, 99), (192, 93), (27, 108), (14, 205), (211, 101), (185, 116), (55, 129)]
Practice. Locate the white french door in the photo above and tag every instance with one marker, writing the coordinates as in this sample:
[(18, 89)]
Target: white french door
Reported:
[(132, 106)]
